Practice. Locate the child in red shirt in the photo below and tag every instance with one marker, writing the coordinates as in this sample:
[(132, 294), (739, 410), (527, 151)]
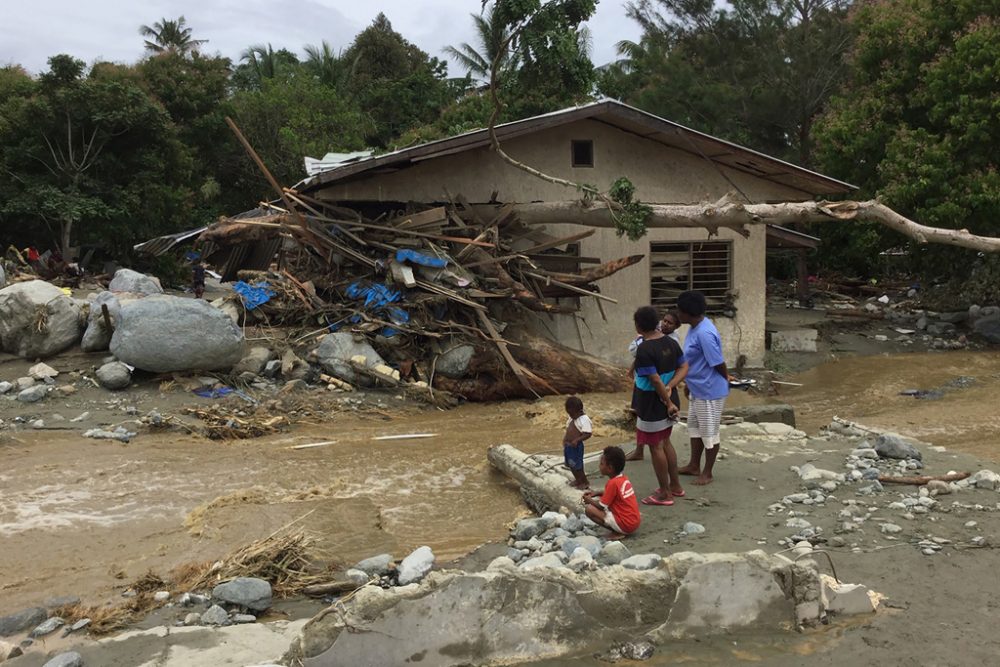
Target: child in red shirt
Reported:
[(617, 510)]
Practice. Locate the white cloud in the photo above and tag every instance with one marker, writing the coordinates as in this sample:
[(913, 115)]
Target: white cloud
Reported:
[(108, 29)]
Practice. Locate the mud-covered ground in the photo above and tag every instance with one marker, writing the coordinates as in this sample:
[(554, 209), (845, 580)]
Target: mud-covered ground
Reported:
[(82, 517)]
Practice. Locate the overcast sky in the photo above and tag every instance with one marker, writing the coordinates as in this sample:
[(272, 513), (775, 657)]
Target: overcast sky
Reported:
[(108, 29)]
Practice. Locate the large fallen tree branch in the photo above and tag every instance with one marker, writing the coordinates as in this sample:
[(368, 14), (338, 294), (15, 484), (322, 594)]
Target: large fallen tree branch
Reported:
[(734, 215)]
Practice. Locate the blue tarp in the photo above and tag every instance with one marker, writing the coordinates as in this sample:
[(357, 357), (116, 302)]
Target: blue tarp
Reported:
[(253, 295), (407, 255), (375, 295), (209, 392)]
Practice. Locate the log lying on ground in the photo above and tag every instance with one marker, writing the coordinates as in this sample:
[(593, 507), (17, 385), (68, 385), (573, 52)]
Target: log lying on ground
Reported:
[(727, 213), (565, 371), (920, 480), (543, 486)]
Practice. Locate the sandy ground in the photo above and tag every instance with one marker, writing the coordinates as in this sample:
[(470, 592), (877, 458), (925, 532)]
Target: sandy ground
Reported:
[(83, 517)]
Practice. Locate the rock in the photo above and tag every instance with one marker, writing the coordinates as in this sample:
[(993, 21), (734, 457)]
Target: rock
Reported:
[(254, 360), (774, 413), (794, 340), (921, 323), (272, 369), (97, 336), (3, 277), (870, 489), (642, 562), (293, 386), (376, 565), (454, 363), (546, 561), (984, 479), (215, 615), (229, 308), (953, 318), (193, 618), (971, 524), (293, 368), (525, 529), (127, 280), (79, 625), (641, 650), (573, 524), (589, 542), (337, 349), (21, 621), (47, 627), (795, 498), (416, 566), (890, 528), (121, 434), (500, 563), (42, 372), (5, 387), (24, 383), (29, 306), (163, 333), (244, 618), (357, 576), (114, 375), (33, 394), (938, 488), (69, 659), (797, 523), (846, 599), (990, 312), (613, 553), (248, 592), (161, 596), (895, 446), (8, 650), (692, 528), (865, 453)]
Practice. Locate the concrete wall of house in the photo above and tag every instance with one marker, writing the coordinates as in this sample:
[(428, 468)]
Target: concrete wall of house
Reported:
[(661, 175)]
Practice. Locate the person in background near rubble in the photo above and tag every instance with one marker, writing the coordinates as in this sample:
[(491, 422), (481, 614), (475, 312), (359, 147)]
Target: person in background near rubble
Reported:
[(668, 325), (659, 368), (707, 385), (616, 509), (578, 429), (198, 279)]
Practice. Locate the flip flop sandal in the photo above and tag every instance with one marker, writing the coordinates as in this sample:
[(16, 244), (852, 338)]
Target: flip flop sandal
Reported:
[(675, 494), (653, 500)]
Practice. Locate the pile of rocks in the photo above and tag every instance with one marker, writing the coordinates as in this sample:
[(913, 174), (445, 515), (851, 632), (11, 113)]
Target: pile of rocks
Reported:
[(386, 572), (558, 539), (874, 455)]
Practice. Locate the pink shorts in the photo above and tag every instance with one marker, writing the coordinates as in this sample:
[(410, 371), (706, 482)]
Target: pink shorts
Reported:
[(644, 438)]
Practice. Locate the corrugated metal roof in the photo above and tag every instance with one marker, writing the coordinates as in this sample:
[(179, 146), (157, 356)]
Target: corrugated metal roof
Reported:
[(611, 112), (163, 244)]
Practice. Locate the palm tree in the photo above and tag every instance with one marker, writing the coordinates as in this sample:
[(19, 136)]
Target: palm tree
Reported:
[(166, 36), (329, 67), (264, 61), (491, 33)]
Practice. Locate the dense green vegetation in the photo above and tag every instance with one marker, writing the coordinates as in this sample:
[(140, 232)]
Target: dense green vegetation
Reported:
[(896, 96)]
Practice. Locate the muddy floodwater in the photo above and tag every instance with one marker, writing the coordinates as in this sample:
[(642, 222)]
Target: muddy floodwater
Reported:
[(83, 517)]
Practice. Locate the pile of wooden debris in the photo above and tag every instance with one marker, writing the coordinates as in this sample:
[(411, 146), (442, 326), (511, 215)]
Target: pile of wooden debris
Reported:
[(418, 283)]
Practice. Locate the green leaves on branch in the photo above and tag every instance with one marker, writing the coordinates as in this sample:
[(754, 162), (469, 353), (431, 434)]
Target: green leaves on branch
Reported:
[(631, 219)]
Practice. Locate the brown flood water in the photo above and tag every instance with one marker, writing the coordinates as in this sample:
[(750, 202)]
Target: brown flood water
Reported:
[(83, 517)]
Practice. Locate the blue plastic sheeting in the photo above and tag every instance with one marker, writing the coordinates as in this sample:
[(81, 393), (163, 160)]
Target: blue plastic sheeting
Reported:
[(389, 332), (219, 392), (407, 255), (375, 295), (253, 295)]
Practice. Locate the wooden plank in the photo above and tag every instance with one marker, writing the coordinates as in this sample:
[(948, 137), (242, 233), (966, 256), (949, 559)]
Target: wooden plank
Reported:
[(505, 352), (402, 273), (571, 288), (557, 242), (428, 217)]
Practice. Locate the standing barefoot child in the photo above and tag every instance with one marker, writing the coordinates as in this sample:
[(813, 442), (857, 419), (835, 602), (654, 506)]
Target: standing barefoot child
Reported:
[(578, 429), (617, 509), (707, 384)]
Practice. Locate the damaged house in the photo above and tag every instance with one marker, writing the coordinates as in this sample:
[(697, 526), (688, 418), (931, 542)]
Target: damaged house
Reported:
[(596, 144)]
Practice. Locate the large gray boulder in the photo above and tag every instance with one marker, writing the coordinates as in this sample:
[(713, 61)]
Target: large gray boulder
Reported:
[(895, 446), (21, 621), (97, 336), (336, 350), (988, 328), (127, 280), (168, 333), (37, 319), (247, 592)]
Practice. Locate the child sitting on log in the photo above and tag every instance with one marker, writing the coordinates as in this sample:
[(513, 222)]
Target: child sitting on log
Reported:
[(617, 509), (578, 429)]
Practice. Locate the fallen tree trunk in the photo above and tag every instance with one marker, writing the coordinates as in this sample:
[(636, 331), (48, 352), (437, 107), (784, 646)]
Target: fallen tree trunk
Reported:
[(920, 480), (564, 370), (734, 215)]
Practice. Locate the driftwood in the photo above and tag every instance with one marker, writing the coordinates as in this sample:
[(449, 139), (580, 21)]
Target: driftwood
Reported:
[(920, 480), (331, 588), (738, 216)]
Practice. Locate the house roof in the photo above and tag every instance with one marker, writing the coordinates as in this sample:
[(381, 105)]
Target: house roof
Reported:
[(784, 238), (613, 113)]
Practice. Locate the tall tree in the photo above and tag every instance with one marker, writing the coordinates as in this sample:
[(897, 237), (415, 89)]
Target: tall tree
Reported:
[(172, 36), (918, 125), (330, 68), (259, 62), (395, 82), (491, 38), (754, 71)]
